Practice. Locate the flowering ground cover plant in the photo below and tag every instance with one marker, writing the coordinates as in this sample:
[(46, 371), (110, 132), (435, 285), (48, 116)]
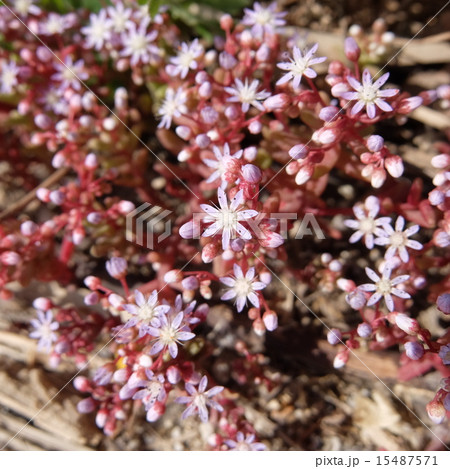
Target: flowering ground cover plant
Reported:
[(269, 161)]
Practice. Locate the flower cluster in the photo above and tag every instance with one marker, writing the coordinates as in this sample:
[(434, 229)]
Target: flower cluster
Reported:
[(257, 131)]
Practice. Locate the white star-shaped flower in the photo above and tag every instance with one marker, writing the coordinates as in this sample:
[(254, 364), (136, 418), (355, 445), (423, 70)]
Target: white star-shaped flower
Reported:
[(300, 65), (247, 94)]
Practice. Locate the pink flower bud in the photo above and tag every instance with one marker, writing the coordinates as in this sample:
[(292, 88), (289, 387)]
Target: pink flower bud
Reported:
[(414, 350), (120, 98), (255, 127), (251, 173), (340, 359), (298, 152), (173, 375), (155, 412), (277, 102), (92, 282), (115, 300), (259, 327), (43, 194), (443, 92), (246, 38), (202, 140), (324, 136), (125, 207), (250, 153), (87, 122), (81, 383), (91, 299), (209, 115), (43, 54), (43, 121), (209, 252), (190, 230), (335, 266), (28, 228), (328, 113), (205, 90), (270, 320), (190, 283), (237, 244), (394, 165), (173, 276), (436, 197), (42, 303), (109, 124), (78, 235), (117, 267), (378, 178), (86, 406), (334, 336), (91, 161), (440, 161), (226, 22), (10, 258), (205, 291), (201, 77), (356, 299), (57, 197), (443, 303), (232, 112), (407, 324), (364, 330), (436, 411), (409, 104), (375, 143), (263, 53), (94, 217), (271, 239), (184, 155), (59, 160), (183, 132), (101, 417), (304, 174), (352, 51)]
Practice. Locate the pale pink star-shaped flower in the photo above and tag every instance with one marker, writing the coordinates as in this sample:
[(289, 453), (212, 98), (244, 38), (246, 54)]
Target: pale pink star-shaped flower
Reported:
[(397, 239), (368, 94), (247, 94), (242, 287), (384, 286), (300, 65)]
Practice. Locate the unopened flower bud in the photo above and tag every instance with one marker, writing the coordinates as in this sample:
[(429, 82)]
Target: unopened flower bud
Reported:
[(443, 303), (115, 300), (255, 127), (109, 124), (94, 217), (237, 244), (440, 161), (352, 50), (250, 153), (120, 98), (91, 299), (205, 292), (263, 53), (86, 406), (155, 412), (226, 22), (356, 299), (394, 165), (183, 132), (92, 282), (58, 160), (125, 207), (91, 161), (117, 267), (173, 276), (408, 105), (101, 418), (364, 330), (340, 359), (304, 174), (414, 350), (270, 320), (232, 112), (184, 155), (334, 336), (436, 411), (251, 173), (88, 101), (173, 375), (43, 194), (259, 327), (43, 121), (335, 266), (202, 140), (81, 383), (375, 143), (246, 38), (324, 136), (298, 152), (209, 116), (205, 90), (190, 283), (42, 303), (328, 113), (28, 228), (277, 102), (57, 197), (78, 235), (209, 252), (407, 324)]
